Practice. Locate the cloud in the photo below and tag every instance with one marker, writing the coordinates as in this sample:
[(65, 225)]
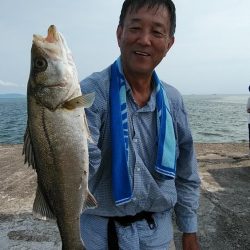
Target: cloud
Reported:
[(10, 87), (8, 84)]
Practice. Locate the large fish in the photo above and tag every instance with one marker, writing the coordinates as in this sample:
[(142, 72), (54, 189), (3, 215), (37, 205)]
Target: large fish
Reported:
[(55, 142)]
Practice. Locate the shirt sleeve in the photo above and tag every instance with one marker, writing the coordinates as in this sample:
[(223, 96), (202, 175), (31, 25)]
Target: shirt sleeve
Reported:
[(94, 116), (187, 177)]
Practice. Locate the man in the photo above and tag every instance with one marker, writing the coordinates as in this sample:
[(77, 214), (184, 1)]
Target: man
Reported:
[(248, 111), (143, 163)]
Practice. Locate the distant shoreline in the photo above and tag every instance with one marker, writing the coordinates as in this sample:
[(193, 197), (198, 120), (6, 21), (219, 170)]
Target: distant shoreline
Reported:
[(5, 96)]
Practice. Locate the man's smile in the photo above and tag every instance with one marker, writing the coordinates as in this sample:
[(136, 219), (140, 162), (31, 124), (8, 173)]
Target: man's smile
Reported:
[(142, 53)]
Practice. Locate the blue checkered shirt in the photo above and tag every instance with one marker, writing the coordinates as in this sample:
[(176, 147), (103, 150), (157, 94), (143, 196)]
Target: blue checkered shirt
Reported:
[(151, 191)]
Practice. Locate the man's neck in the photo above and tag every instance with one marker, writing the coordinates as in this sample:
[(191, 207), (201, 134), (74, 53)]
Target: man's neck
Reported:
[(141, 89)]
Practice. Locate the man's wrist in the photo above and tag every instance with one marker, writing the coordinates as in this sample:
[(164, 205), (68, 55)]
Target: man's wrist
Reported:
[(190, 241)]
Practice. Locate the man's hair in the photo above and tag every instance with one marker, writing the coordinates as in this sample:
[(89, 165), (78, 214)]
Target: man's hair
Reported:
[(135, 5)]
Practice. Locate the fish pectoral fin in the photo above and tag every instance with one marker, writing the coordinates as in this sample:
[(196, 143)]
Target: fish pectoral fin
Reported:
[(84, 101), (90, 202), (28, 149), (86, 126), (41, 209)]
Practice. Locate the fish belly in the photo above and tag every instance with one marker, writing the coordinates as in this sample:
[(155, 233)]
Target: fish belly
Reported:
[(61, 151)]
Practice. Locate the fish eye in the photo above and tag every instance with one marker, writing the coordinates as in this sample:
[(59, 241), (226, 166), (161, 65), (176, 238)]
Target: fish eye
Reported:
[(40, 64)]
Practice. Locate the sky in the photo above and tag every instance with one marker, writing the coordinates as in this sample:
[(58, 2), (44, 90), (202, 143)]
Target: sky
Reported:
[(211, 53)]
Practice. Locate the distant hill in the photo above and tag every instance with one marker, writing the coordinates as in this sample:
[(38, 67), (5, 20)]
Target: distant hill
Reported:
[(12, 95)]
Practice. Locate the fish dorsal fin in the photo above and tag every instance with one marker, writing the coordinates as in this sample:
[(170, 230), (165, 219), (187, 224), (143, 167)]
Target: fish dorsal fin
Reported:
[(28, 149), (41, 209), (90, 202), (84, 101)]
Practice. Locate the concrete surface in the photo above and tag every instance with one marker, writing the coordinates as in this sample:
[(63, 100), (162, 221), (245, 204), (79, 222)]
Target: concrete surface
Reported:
[(224, 214)]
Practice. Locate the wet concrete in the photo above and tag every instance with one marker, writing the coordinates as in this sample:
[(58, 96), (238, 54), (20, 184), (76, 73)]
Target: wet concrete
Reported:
[(224, 214)]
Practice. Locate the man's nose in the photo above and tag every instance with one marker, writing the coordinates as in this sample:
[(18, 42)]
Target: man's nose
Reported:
[(145, 38)]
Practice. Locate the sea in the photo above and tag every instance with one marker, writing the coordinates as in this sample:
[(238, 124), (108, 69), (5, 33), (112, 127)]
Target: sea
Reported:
[(212, 118)]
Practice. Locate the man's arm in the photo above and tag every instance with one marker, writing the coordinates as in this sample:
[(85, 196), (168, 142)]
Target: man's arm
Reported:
[(187, 184), (190, 241), (94, 119)]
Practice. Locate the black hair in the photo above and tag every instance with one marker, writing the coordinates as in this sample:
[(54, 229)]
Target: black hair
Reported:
[(135, 5)]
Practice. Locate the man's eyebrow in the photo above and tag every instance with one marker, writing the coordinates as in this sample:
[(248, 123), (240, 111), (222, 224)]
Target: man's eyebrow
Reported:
[(137, 20), (159, 25)]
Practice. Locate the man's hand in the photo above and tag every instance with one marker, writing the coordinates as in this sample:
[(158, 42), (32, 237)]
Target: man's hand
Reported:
[(190, 241)]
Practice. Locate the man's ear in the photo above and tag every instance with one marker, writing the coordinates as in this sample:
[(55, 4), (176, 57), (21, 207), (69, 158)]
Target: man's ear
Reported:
[(119, 34), (170, 43)]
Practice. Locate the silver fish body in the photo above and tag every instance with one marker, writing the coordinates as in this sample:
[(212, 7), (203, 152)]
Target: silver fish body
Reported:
[(56, 138)]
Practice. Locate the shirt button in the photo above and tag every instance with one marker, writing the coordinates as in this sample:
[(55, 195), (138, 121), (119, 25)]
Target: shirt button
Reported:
[(134, 199), (138, 169), (135, 140)]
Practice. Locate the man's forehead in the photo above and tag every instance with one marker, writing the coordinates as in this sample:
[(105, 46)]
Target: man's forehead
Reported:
[(152, 8), (134, 14)]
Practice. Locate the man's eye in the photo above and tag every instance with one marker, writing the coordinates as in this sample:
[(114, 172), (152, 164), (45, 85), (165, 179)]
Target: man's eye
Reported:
[(158, 33), (40, 64), (134, 28)]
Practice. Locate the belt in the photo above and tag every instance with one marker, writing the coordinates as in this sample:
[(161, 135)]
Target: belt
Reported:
[(126, 221)]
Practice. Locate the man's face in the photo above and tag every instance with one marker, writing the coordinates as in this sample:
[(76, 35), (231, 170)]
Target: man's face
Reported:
[(144, 40)]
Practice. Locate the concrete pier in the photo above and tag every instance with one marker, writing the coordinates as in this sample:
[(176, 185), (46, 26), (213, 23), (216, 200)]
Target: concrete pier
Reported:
[(224, 214)]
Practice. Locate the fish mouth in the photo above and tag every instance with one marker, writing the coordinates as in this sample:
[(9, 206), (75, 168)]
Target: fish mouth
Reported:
[(52, 36), (57, 85)]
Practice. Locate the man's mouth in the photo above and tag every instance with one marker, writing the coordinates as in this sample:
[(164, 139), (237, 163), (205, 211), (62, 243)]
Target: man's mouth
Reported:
[(142, 53)]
